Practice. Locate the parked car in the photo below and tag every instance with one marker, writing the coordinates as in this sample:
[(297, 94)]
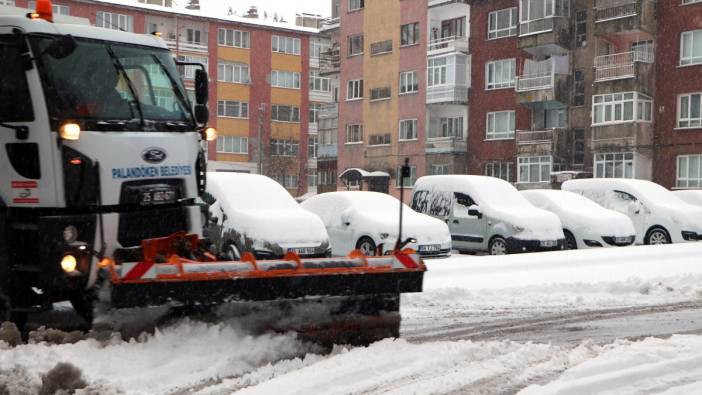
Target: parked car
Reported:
[(690, 196), (659, 216), (364, 220), (253, 213), (586, 224), (487, 214)]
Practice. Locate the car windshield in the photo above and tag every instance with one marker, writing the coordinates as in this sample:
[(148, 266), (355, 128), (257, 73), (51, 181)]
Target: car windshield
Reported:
[(113, 86)]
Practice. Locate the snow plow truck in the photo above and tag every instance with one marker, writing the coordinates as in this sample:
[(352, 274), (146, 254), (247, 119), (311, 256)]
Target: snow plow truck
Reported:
[(102, 167)]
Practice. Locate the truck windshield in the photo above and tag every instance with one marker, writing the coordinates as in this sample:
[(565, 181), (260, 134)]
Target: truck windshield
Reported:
[(112, 86)]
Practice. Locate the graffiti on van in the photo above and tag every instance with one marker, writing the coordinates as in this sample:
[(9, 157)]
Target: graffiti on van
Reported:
[(434, 203)]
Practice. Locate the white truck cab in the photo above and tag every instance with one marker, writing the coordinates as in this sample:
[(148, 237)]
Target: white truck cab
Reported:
[(101, 149)]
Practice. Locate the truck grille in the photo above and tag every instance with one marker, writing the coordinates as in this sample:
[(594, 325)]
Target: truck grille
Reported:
[(134, 226)]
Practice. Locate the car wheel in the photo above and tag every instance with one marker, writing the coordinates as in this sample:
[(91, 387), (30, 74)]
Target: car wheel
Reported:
[(657, 236), (366, 245), (570, 242), (498, 246)]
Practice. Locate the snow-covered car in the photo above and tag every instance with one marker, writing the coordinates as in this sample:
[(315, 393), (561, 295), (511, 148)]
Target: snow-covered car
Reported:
[(586, 224), (487, 214), (691, 196), (253, 213), (364, 220), (659, 215)]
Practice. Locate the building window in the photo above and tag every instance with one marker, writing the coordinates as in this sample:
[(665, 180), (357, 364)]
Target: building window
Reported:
[(690, 110), (691, 1), (502, 23), (381, 47), (380, 93), (312, 144), (233, 38), (408, 129), (438, 170), (691, 47), (233, 72), (282, 147), (436, 71), (502, 170), (451, 127), (579, 88), (232, 145), (12, 3), (581, 28), (355, 44), (285, 79), (614, 165), (189, 71), (314, 112), (193, 36), (535, 15), (55, 8), (621, 107), (114, 21), (286, 45), (283, 113), (318, 46), (534, 168), (288, 181), (500, 74), (354, 90), (689, 171), (354, 133), (355, 5), (409, 83), (578, 147), (379, 139), (409, 34), (232, 108), (319, 84), (500, 125), (409, 181)]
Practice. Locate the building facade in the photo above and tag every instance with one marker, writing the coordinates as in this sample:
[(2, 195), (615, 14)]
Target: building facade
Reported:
[(260, 80)]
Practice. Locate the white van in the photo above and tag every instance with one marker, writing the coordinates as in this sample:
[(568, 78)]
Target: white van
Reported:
[(659, 216), (487, 214)]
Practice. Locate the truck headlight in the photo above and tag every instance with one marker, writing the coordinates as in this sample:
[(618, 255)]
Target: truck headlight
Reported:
[(69, 263), (69, 131)]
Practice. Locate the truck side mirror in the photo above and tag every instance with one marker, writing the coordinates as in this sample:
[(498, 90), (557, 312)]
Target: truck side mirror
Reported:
[(201, 87), (202, 113)]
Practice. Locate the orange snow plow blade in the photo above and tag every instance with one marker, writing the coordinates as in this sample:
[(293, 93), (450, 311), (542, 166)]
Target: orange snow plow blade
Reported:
[(174, 270)]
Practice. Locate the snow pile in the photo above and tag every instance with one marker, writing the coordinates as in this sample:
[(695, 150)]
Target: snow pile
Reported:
[(670, 366), (175, 357)]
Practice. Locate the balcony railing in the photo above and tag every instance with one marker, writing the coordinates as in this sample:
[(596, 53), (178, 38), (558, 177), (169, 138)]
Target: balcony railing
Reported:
[(186, 46), (450, 43), (532, 82), (621, 65), (614, 9), (447, 93), (330, 110), (528, 137), (327, 151), (330, 61)]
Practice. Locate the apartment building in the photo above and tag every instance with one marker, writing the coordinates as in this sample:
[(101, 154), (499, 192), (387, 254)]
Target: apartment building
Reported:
[(678, 141), (260, 81)]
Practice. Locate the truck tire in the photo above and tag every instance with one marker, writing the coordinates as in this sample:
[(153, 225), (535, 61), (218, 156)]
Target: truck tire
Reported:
[(84, 305)]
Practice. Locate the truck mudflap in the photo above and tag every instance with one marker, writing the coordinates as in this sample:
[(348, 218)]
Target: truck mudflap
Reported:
[(173, 270)]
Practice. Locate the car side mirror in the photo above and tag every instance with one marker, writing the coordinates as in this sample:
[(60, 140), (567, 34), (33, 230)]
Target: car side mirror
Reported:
[(201, 87), (62, 47), (634, 207), (474, 211)]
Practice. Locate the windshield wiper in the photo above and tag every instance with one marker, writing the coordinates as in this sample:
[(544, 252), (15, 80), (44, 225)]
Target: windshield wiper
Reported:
[(120, 69), (174, 85)]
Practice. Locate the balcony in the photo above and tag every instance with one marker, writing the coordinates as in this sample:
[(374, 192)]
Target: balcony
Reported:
[(449, 78), (552, 141), (616, 16), (321, 96), (329, 111), (330, 61), (544, 81), (622, 136), (447, 45), (621, 65), (327, 151), (548, 34), (329, 24), (441, 145), (184, 46)]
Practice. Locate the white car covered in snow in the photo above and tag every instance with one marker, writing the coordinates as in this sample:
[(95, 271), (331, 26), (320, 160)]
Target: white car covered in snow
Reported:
[(253, 213), (585, 223), (659, 216), (487, 214), (364, 220), (691, 196)]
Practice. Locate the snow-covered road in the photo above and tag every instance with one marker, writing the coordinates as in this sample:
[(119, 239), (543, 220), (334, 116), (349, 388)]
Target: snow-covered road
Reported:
[(564, 322)]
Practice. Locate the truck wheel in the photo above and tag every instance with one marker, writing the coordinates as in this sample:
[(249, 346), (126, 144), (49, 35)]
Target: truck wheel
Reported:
[(366, 245), (657, 236), (84, 305), (570, 243), (498, 246)]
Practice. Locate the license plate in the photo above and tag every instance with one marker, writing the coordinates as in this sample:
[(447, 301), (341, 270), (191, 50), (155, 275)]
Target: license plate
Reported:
[(621, 239), (549, 243), (430, 247), (157, 196), (302, 250)]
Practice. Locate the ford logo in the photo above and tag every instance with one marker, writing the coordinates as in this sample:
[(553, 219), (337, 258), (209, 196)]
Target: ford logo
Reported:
[(154, 155)]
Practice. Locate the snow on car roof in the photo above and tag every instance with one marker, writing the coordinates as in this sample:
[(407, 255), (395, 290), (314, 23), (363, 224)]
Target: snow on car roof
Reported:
[(483, 189), (693, 196), (237, 189), (646, 190), (565, 199)]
